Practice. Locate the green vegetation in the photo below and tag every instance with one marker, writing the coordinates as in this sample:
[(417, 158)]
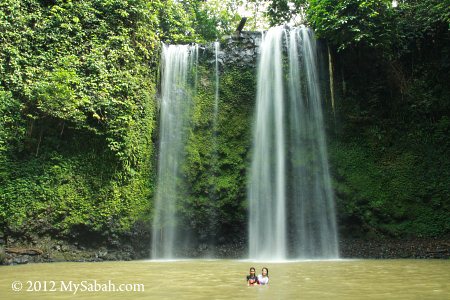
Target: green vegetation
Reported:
[(217, 162), (388, 139), (78, 115), (78, 107), (394, 115), (78, 110)]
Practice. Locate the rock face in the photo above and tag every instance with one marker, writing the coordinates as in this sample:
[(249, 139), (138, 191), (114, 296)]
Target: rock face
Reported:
[(59, 251), (21, 248), (242, 49), (395, 248), (238, 50)]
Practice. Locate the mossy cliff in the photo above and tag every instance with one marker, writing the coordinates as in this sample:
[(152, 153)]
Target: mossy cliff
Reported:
[(78, 182)]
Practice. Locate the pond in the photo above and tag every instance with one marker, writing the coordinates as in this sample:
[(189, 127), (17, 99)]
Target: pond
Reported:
[(225, 279)]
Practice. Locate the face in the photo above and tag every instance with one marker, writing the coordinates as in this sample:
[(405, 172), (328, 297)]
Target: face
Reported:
[(264, 272), (252, 271)]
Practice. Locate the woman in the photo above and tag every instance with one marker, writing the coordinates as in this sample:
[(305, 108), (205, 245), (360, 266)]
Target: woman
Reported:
[(263, 279), (252, 279)]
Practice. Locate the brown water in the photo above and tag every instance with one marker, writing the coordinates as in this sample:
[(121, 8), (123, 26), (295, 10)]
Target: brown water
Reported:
[(225, 279)]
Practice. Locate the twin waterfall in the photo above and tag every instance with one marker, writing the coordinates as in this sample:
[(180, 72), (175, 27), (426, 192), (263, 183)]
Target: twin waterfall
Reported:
[(291, 207)]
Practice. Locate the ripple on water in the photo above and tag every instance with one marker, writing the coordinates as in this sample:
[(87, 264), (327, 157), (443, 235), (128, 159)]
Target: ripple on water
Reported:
[(225, 279)]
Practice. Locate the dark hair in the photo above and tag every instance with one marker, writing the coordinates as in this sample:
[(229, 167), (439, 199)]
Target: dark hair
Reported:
[(252, 268), (266, 270)]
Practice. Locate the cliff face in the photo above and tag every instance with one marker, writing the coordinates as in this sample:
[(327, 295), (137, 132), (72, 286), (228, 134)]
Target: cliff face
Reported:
[(387, 136), (388, 150), (242, 49)]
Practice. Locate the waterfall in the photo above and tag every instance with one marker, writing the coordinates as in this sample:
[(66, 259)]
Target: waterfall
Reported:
[(176, 88), (215, 159), (216, 94), (291, 205), (267, 228)]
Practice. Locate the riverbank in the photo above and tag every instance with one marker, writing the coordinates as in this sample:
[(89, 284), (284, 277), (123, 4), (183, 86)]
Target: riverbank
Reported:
[(48, 250), (395, 248)]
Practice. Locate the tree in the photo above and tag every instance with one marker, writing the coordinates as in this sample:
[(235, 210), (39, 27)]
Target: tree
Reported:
[(350, 22)]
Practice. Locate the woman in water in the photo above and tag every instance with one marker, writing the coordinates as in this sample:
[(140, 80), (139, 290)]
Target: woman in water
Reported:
[(252, 279), (263, 279)]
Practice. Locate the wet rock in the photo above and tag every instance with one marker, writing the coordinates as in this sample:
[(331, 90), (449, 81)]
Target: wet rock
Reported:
[(102, 253), (20, 260), (395, 248), (24, 251), (65, 248), (240, 50)]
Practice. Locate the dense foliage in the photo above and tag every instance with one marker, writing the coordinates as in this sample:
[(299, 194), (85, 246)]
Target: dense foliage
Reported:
[(78, 115), (391, 164), (346, 23), (78, 107), (389, 151), (217, 161)]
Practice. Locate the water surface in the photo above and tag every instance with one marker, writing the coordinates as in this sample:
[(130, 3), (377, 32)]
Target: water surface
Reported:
[(225, 279)]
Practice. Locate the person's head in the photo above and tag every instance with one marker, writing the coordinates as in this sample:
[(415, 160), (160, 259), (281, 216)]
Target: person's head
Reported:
[(252, 271), (265, 272)]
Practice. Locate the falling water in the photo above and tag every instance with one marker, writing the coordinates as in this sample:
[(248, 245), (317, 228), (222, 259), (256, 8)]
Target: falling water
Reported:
[(177, 61), (290, 196), (216, 94), (267, 179)]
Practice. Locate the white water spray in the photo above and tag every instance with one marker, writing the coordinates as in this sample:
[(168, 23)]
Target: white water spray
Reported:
[(291, 206), (176, 102)]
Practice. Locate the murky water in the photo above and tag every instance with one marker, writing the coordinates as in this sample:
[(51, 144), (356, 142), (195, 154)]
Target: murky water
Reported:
[(225, 279)]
